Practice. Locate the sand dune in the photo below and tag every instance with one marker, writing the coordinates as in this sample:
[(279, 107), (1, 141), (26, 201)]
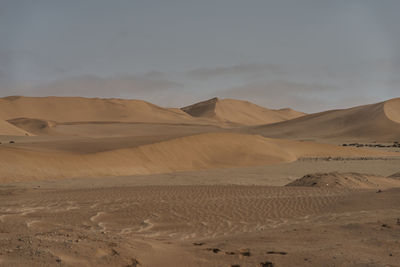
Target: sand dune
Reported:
[(9, 129), (79, 109), (197, 152), (392, 109), (233, 111), (375, 122), (345, 180), (34, 126), (39, 115)]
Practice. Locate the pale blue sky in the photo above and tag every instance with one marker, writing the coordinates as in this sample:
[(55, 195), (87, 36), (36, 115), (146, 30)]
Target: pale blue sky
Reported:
[(309, 55)]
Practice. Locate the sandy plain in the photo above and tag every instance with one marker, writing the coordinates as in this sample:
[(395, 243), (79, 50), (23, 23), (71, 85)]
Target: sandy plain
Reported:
[(110, 182)]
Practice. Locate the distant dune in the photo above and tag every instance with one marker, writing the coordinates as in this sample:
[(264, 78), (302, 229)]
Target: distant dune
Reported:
[(79, 109), (345, 180), (375, 122), (196, 152), (37, 115), (233, 111)]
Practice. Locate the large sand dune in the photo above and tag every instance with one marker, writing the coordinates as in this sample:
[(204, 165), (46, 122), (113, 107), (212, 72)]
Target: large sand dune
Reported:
[(375, 122), (233, 111), (78, 109), (53, 115), (197, 152), (392, 109)]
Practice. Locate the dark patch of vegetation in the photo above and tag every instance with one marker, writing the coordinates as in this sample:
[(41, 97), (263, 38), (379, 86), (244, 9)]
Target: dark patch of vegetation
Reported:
[(266, 264), (395, 144), (277, 252)]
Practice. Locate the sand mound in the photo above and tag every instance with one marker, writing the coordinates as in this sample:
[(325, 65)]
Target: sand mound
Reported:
[(35, 126), (375, 122), (78, 109), (198, 152), (9, 129), (232, 111), (345, 180)]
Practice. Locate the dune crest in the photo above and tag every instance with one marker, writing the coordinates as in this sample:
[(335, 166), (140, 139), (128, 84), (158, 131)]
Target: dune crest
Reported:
[(374, 122), (79, 109), (231, 111)]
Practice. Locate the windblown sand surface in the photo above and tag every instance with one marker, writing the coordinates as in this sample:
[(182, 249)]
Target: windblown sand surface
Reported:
[(112, 182), (198, 226)]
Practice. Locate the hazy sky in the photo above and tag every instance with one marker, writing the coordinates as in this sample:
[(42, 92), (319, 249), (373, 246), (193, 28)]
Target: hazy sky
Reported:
[(309, 55)]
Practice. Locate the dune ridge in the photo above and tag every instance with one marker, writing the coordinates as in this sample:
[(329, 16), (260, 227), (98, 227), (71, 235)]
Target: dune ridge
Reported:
[(374, 122), (8, 129), (79, 109), (233, 111)]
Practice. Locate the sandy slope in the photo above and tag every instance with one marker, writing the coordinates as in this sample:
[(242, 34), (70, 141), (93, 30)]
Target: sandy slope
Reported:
[(33, 126), (204, 151), (8, 129), (345, 180), (78, 109), (392, 109), (375, 122), (111, 129), (233, 111)]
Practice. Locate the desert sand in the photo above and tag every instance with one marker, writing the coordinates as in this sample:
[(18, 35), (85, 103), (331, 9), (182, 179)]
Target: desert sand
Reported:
[(369, 123), (224, 182), (232, 111), (7, 128)]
